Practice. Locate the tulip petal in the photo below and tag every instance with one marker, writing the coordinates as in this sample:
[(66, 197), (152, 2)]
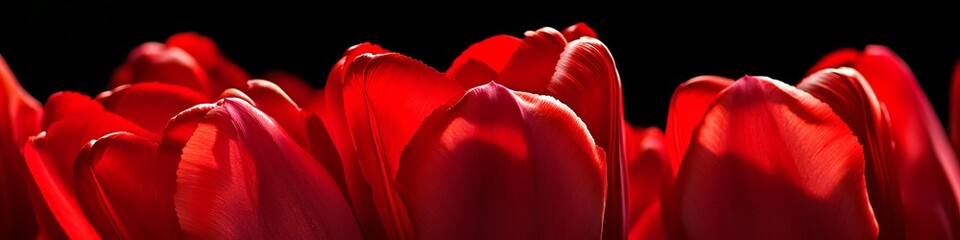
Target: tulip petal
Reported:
[(269, 98), (586, 68), (155, 62), (852, 99), (58, 200), (125, 189), (646, 161), (955, 108), (576, 31), (20, 118), (928, 167), (383, 116), (532, 65), (502, 164), (222, 72), (150, 105), (483, 61), (336, 122), (230, 189), (62, 105), (805, 182), (838, 58)]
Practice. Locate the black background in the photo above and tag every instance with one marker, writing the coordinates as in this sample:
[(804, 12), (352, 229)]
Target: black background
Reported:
[(53, 46)]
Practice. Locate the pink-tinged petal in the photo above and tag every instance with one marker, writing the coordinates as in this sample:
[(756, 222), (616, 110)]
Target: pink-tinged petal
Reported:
[(222, 72), (852, 99), (955, 108), (298, 89), (532, 65), (335, 120), (770, 161), (155, 62), (240, 176), (586, 68), (20, 118), (928, 168), (151, 104), (125, 189), (502, 164), (63, 105), (181, 127), (58, 209), (269, 98), (576, 31), (483, 61), (646, 161), (386, 98)]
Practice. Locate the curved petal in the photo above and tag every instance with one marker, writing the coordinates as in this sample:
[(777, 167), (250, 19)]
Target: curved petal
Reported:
[(576, 31), (687, 105), (503, 164), (852, 99), (386, 98), (62, 105), (298, 89), (58, 210), (770, 161), (269, 98), (125, 189), (646, 161), (483, 61), (151, 104), (838, 58), (586, 68), (928, 167), (955, 108), (228, 188), (533, 63), (20, 118), (336, 122), (222, 72), (155, 62)]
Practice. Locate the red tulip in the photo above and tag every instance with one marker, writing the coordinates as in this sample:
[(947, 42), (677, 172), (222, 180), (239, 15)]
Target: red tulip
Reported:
[(646, 163), (769, 161), (20, 116), (924, 164)]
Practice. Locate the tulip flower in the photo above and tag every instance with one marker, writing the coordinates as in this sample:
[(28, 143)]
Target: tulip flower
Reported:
[(646, 163), (20, 116)]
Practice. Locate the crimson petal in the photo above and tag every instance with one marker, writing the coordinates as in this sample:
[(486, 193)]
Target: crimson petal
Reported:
[(229, 188), (646, 161), (770, 161), (20, 118), (532, 65), (222, 72), (151, 104), (577, 31), (483, 61), (156, 62), (502, 164)]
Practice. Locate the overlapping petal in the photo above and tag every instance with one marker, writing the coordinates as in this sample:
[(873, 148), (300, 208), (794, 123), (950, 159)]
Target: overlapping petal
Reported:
[(20, 118), (646, 162)]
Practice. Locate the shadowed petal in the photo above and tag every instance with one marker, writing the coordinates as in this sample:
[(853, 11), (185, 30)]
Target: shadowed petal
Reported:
[(483, 61), (646, 161), (241, 176), (20, 116), (502, 164), (151, 104), (533, 63), (770, 161), (156, 62), (576, 31)]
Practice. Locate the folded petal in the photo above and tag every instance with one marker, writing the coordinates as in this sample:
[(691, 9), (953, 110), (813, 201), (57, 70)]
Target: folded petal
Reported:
[(156, 62), (646, 161), (150, 104), (483, 61), (241, 176), (20, 118), (126, 189), (576, 31), (770, 161), (531, 67), (852, 99), (586, 68), (386, 98), (929, 172), (503, 164), (269, 98)]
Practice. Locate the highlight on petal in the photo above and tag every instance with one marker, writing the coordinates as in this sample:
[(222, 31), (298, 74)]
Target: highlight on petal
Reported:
[(20, 118), (156, 62), (852, 99), (149, 104), (503, 164), (241, 176), (386, 98), (298, 89), (58, 209), (928, 170), (646, 161), (531, 67), (62, 105), (577, 31), (483, 61), (737, 182), (125, 188), (586, 68)]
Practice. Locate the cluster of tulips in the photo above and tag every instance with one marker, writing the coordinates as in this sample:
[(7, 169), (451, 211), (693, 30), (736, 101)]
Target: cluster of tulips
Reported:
[(521, 138)]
